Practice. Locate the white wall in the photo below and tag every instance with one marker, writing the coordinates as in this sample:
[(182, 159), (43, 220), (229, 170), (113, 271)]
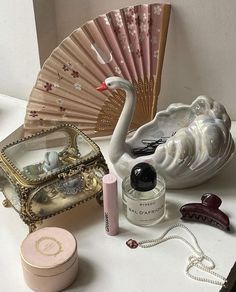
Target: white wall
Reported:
[(45, 18), (201, 53), (19, 58)]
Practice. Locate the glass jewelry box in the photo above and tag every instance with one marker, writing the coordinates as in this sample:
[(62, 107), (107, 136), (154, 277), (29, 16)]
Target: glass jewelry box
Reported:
[(50, 172)]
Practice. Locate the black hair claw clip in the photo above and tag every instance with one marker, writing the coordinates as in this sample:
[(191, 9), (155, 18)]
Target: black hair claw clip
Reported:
[(150, 147)]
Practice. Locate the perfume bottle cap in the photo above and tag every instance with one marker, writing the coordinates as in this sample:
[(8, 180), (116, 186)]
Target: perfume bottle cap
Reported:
[(143, 177)]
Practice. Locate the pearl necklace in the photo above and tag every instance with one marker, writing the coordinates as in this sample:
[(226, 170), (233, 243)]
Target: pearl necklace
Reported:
[(194, 261)]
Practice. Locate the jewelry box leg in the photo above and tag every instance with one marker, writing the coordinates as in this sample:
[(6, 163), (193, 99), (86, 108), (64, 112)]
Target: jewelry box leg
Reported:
[(34, 225), (99, 198), (6, 203)]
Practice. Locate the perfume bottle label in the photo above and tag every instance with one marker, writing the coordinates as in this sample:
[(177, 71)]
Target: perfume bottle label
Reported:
[(141, 210)]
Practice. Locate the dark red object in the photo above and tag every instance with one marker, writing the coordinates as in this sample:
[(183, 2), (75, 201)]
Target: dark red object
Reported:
[(131, 243), (206, 212)]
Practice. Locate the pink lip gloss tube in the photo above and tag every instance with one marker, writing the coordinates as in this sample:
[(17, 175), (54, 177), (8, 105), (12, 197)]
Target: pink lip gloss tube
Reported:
[(110, 204)]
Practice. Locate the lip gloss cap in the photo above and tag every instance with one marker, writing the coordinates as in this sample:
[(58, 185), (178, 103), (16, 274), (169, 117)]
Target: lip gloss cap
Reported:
[(110, 204)]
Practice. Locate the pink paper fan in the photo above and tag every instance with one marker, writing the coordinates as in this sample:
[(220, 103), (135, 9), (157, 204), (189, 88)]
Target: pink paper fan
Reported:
[(129, 43)]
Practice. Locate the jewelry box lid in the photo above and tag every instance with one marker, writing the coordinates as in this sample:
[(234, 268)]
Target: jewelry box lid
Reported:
[(44, 155)]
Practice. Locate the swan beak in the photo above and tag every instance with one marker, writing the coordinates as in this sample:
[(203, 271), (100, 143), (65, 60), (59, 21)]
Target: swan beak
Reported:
[(102, 87)]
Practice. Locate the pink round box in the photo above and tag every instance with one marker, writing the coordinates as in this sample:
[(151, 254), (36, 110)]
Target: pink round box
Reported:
[(49, 259)]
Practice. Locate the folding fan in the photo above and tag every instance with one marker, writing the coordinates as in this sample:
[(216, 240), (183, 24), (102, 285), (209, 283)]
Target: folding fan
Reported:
[(129, 43)]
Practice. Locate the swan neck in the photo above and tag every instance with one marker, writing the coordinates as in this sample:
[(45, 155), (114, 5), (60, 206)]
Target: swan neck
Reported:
[(117, 144)]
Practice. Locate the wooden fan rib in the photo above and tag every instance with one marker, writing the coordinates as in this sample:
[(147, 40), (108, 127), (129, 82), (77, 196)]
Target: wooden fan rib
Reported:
[(113, 16), (132, 34), (84, 96), (63, 94), (142, 99), (29, 131), (67, 85), (108, 34), (55, 100), (65, 119), (132, 31), (92, 92), (107, 125), (151, 95), (80, 41), (91, 131), (166, 8), (60, 60), (122, 38), (121, 48), (87, 66), (38, 108), (53, 67), (108, 114), (144, 32), (109, 111), (100, 46), (153, 52), (49, 75), (61, 118), (156, 11), (83, 118), (84, 41), (41, 113), (49, 123), (82, 77), (144, 104), (97, 95), (144, 38)]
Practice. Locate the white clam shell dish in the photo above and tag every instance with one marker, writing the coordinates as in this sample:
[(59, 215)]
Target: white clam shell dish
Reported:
[(198, 147)]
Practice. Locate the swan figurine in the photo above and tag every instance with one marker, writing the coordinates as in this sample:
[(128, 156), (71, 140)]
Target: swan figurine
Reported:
[(199, 143), (51, 161)]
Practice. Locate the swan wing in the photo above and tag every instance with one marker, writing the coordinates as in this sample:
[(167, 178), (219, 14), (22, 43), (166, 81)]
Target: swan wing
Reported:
[(200, 147)]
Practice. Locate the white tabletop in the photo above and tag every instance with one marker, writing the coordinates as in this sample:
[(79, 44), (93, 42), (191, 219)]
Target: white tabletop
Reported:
[(106, 263)]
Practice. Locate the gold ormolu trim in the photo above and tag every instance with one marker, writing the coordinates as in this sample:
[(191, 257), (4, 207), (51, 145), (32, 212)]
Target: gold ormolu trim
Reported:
[(23, 180), (14, 173), (6, 203)]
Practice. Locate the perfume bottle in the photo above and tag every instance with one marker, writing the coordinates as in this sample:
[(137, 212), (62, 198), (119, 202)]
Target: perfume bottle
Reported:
[(143, 195)]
